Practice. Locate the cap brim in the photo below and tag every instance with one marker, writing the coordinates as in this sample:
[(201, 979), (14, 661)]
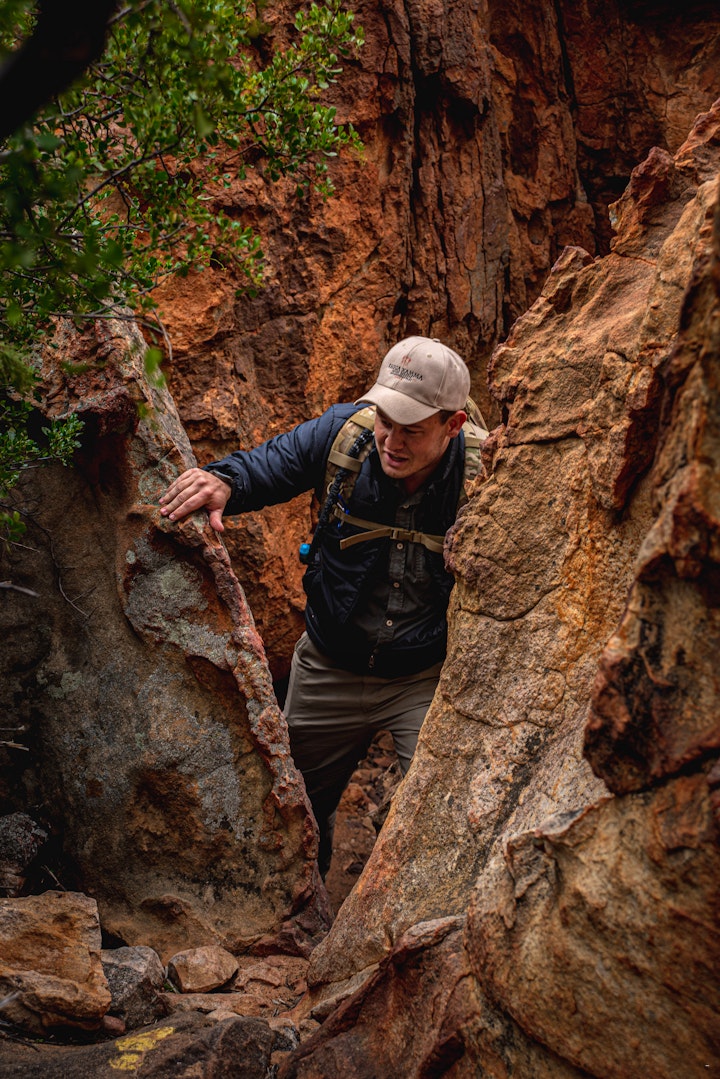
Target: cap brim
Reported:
[(397, 406)]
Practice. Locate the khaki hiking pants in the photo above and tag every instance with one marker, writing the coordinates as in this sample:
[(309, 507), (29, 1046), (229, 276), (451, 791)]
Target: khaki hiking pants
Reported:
[(333, 715)]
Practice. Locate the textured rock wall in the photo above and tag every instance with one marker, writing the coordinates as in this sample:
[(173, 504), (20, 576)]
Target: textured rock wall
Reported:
[(157, 750), (495, 135), (615, 914), (584, 633)]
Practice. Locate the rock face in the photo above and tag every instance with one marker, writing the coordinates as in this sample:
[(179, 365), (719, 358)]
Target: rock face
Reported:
[(588, 934), (422, 1014), (161, 753), (495, 134), (433, 997), (584, 632)]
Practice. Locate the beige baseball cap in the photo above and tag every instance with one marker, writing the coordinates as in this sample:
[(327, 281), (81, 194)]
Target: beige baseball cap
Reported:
[(419, 376)]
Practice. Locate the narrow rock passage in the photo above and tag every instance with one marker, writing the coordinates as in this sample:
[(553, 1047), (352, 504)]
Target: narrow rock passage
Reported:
[(362, 809)]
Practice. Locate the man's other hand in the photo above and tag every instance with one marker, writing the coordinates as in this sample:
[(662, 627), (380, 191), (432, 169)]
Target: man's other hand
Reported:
[(196, 490)]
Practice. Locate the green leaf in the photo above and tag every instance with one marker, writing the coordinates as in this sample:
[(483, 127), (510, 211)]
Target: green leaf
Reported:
[(202, 124), (153, 359)]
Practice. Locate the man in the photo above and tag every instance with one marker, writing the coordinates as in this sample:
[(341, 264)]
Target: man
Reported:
[(376, 584)]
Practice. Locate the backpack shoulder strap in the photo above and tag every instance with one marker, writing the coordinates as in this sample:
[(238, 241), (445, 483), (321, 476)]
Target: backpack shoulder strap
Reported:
[(338, 457)]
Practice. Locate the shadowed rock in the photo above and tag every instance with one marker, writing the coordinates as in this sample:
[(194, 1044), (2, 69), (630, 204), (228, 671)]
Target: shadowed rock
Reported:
[(156, 737), (185, 1045), (21, 840), (136, 978)]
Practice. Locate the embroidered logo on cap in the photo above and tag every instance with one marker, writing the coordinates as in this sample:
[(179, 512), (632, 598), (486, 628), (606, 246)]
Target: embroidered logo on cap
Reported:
[(400, 371)]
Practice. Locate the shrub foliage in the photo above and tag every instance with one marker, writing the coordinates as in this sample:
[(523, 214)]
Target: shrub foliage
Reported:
[(102, 197)]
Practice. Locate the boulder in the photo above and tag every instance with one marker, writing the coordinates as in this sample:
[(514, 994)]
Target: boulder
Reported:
[(200, 970), (136, 979), (51, 974), (612, 916)]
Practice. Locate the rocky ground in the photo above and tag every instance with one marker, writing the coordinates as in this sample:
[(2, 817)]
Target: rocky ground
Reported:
[(204, 1004)]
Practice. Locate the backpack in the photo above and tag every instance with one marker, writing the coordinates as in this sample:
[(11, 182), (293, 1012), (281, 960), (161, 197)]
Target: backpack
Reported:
[(351, 446)]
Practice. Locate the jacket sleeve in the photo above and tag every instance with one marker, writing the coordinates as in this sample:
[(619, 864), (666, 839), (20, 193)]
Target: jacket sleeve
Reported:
[(282, 467)]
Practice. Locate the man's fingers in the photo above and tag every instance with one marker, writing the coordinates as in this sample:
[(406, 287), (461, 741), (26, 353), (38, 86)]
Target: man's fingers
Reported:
[(182, 505), (187, 482), (195, 490)]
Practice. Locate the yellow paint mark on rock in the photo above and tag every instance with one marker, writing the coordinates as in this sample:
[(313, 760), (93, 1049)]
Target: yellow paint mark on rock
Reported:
[(133, 1048), (128, 1062)]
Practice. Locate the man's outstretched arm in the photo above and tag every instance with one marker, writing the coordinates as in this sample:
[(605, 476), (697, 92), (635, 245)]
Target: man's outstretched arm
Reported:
[(275, 471)]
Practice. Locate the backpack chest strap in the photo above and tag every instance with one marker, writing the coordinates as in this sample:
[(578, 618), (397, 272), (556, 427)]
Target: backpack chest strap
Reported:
[(372, 530)]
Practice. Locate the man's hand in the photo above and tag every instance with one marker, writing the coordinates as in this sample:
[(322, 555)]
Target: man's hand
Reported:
[(192, 491)]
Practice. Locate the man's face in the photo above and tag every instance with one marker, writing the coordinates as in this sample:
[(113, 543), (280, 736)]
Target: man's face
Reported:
[(413, 453)]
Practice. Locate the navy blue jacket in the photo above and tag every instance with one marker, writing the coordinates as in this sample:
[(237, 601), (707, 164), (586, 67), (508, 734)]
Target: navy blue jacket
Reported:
[(335, 581)]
